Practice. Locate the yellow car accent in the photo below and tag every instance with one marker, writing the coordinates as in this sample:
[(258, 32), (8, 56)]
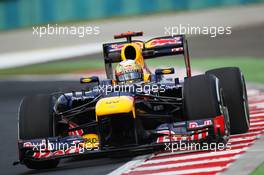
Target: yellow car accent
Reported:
[(86, 80), (167, 71), (146, 77), (114, 82), (114, 105), (91, 141), (149, 45)]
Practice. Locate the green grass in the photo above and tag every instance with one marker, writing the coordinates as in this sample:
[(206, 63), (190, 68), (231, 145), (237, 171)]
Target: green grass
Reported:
[(252, 68), (259, 170)]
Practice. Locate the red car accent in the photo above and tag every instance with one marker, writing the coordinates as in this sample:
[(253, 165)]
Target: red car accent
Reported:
[(219, 124)]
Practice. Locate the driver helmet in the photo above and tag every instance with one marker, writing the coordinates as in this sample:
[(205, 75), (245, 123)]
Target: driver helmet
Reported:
[(128, 71)]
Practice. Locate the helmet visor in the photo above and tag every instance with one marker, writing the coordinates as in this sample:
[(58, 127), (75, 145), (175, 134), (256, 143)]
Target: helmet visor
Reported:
[(129, 76)]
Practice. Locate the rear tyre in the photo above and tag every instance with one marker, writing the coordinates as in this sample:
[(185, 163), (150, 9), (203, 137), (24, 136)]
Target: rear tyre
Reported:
[(233, 83), (36, 121)]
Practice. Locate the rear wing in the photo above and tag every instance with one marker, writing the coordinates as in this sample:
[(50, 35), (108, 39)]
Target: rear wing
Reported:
[(155, 47)]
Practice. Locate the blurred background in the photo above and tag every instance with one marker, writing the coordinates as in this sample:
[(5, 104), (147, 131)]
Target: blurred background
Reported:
[(23, 13), (30, 64)]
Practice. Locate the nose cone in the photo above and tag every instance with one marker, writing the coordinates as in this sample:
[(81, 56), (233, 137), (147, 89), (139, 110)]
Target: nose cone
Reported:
[(114, 105)]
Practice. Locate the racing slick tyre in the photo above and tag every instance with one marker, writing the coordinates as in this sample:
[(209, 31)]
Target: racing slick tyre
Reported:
[(200, 97), (36, 121), (203, 99), (233, 83)]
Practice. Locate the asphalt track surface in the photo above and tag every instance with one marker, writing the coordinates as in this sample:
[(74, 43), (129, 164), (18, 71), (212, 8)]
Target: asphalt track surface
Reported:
[(244, 42)]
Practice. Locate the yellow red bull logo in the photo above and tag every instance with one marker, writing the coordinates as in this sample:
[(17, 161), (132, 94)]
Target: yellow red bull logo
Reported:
[(90, 141)]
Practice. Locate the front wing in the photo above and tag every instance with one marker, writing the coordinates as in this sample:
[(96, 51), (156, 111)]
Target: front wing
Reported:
[(198, 131)]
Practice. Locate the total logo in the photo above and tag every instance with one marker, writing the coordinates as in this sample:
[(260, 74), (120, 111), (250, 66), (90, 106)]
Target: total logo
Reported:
[(197, 125)]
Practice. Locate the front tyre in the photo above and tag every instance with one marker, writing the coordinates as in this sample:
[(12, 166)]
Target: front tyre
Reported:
[(233, 83), (203, 99), (36, 121)]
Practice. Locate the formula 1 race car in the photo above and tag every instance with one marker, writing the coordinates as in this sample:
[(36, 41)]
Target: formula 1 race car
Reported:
[(106, 119)]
